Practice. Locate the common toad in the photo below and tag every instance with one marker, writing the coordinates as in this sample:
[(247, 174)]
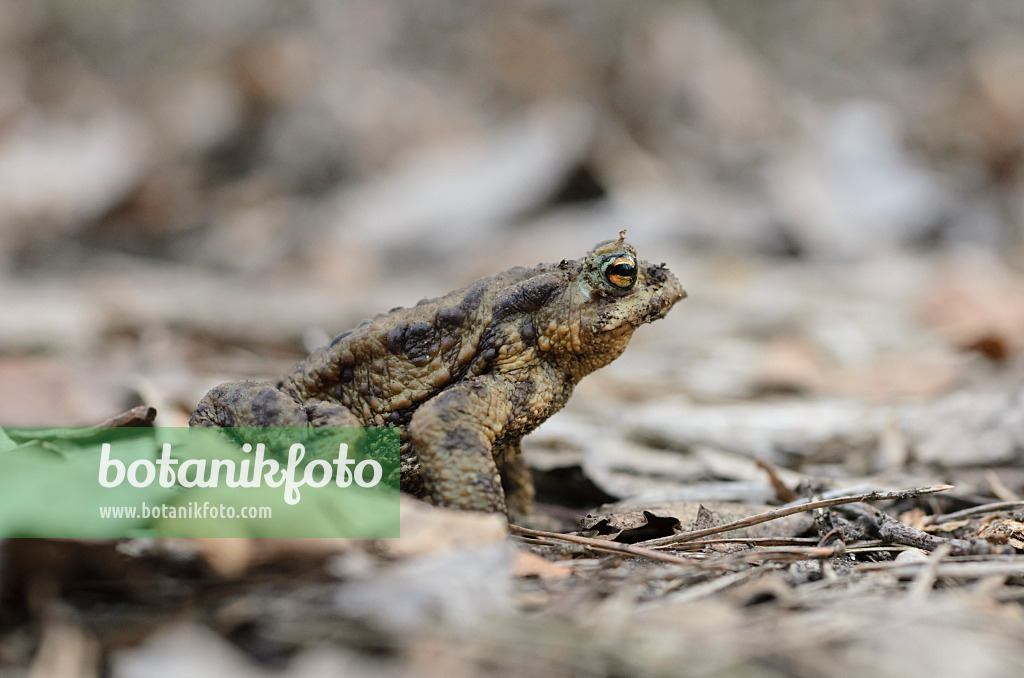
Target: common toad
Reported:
[(467, 375)]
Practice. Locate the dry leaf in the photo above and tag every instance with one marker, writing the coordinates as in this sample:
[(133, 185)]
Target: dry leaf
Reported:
[(951, 526), (631, 523), (1004, 531), (915, 518), (528, 564)]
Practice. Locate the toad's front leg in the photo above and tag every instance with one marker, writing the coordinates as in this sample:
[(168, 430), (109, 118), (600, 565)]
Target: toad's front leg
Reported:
[(453, 436)]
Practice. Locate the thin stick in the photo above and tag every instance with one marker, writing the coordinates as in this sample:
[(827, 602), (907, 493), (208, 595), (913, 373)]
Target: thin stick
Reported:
[(983, 508), (999, 488), (750, 541), (887, 548), (791, 510), (604, 545), (790, 554), (724, 562), (782, 490)]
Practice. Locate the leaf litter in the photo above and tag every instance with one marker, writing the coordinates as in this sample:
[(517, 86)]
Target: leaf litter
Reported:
[(842, 205)]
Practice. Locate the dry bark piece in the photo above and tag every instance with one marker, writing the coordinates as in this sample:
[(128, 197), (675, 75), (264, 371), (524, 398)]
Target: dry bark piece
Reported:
[(142, 415), (870, 523)]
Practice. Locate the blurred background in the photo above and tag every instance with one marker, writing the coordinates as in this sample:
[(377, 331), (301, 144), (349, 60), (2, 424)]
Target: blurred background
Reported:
[(203, 190)]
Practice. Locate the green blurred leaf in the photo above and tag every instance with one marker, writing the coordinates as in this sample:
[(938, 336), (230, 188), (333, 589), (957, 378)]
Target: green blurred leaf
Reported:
[(5, 442)]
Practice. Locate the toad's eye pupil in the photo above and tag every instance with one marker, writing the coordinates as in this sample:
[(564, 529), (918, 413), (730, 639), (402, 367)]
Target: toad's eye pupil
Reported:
[(623, 269), (621, 272)]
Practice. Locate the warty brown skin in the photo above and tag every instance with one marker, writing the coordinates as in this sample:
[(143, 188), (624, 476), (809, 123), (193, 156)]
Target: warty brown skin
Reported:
[(467, 375)]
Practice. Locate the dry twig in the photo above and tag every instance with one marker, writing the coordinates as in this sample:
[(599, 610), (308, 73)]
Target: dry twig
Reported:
[(972, 511), (726, 562), (604, 545), (775, 514), (867, 521)]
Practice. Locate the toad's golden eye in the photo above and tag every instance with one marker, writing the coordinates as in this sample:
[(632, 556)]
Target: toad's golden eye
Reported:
[(620, 271)]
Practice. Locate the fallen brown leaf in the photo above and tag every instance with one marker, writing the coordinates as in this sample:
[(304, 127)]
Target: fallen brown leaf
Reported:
[(528, 564)]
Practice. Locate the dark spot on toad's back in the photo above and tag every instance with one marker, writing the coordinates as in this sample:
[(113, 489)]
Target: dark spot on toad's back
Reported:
[(418, 343), (449, 340), (452, 317), (473, 297), (395, 340), (527, 297), (265, 406), (528, 332)]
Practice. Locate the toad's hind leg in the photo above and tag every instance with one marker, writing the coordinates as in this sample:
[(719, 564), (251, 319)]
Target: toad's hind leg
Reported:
[(260, 403)]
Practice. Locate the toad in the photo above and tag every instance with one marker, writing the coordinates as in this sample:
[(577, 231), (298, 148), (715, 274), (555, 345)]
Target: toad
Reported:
[(465, 376)]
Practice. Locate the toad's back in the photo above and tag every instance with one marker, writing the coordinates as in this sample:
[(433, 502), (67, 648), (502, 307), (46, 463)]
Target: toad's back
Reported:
[(385, 367)]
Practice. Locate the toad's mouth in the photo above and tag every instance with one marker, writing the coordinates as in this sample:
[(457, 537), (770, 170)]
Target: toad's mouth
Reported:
[(657, 308), (667, 291)]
